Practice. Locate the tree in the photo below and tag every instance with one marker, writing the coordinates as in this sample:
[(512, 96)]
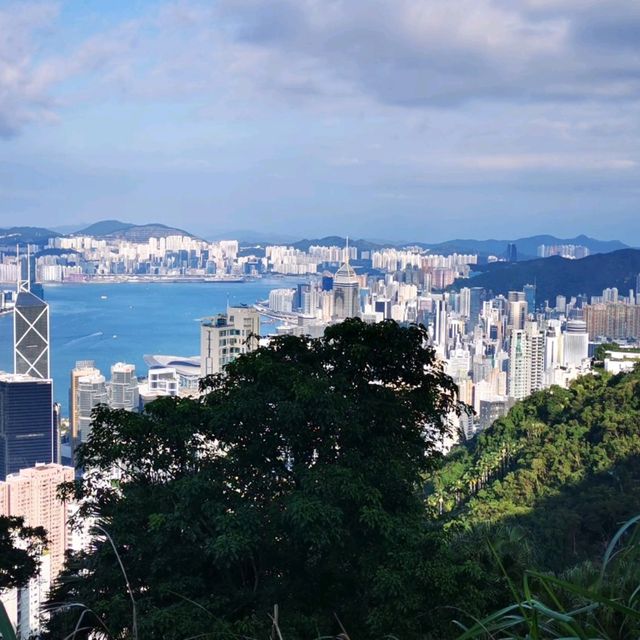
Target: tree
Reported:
[(20, 549), (293, 481)]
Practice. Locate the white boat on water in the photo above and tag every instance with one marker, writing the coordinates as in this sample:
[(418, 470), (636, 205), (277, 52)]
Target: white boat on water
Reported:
[(103, 297)]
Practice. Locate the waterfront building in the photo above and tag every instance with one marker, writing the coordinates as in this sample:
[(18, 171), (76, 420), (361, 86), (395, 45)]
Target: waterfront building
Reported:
[(91, 390), (83, 368), (27, 434), (282, 300), (226, 336), (123, 388)]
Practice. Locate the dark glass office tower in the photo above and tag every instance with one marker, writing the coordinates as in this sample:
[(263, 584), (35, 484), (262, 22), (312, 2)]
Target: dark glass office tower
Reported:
[(31, 335), (27, 433)]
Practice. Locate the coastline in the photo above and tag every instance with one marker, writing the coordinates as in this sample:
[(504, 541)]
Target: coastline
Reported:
[(147, 280)]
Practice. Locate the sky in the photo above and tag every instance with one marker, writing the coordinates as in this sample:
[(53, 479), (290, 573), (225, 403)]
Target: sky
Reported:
[(384, 119)]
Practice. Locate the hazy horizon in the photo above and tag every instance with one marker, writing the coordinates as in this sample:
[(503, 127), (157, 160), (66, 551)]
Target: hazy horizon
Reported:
[(398, 119)]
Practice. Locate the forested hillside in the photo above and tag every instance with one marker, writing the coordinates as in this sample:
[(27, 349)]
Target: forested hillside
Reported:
[(563, 466)]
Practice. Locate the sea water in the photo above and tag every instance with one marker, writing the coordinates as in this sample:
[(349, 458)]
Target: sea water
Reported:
[(121, 322)]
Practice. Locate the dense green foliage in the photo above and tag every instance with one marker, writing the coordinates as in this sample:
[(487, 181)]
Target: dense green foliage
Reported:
[(298, 480), (592, 601), (563, 464), (20, 547), (294, 481)]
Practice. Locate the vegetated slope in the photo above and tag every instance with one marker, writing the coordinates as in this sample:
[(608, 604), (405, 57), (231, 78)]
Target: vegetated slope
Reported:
[(114, 229), (563, 466), (25, 235), (104, 228), (559, 276)]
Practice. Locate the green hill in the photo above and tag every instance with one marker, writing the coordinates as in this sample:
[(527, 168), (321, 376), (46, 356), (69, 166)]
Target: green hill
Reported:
[(559, 276), (562, 465), (114, 229), (25, 235)]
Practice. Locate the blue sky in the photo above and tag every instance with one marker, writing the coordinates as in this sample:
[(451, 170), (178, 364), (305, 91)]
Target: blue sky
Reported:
[(398, 119)]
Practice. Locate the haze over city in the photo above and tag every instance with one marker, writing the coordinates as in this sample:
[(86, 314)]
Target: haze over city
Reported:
[(388, 119)]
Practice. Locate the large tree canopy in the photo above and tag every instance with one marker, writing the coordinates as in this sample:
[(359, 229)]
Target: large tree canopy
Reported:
[(20, 548), (293, 481)]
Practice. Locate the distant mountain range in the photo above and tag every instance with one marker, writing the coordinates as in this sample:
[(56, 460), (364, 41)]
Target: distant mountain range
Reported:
[(559, 276), (526, 247), (115, 229), (25, 235)]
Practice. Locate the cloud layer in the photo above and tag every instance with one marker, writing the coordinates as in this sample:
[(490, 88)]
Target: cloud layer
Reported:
[(376, 100)]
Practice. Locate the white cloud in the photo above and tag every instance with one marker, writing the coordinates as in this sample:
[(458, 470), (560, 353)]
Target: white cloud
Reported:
[(24, 95)]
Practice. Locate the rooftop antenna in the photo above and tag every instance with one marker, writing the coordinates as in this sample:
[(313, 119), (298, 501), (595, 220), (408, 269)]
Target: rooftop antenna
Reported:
[(347, 250)]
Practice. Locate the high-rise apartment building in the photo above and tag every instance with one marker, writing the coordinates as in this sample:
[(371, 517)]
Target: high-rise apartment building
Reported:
[(226, 336), (27, 434), (519, 375), (31, 494), (612, 320), (123, 388), (536, 356), (518, 310)]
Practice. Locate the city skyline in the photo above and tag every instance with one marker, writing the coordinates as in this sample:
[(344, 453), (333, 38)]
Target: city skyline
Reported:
[(300, 118)]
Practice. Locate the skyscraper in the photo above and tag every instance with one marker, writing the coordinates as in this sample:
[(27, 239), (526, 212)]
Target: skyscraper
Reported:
[(123, 388), (346, 302), (530, 297), (512, 252), (27, 433), (31, 335), (477, 296), (519, 378), (91, 390), (83, 368)]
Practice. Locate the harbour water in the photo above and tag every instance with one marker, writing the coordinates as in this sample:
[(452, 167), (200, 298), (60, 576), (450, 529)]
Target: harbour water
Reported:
[(122, 322)]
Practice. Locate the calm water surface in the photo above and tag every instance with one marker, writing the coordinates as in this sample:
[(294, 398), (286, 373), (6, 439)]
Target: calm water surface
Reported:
[(133, 320)]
